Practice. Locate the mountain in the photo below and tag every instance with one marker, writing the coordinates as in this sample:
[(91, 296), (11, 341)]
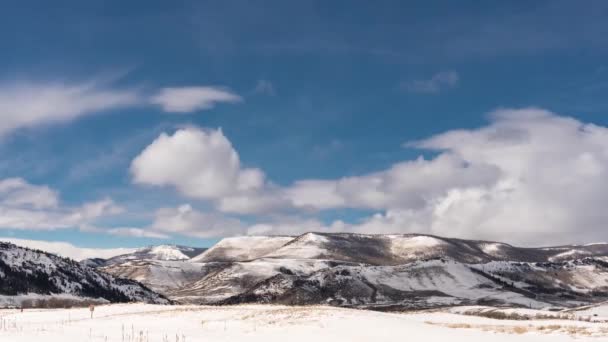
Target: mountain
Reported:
[(394, 271), (426, 284), (242, 248), (160, 268), (25, 271), (403, 248), (160, 252)]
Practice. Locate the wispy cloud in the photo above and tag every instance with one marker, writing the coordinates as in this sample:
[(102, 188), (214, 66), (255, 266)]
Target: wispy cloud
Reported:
[(264, 87), (26, 104), (135, 232), (435, 84), (190, 99), (27, 206), (33, 103), (68, 250)]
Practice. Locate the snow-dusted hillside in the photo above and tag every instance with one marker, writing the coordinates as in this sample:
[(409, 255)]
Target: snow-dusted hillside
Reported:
[(160, 252), (394, 270), (223, 280), (242, 248), (379, 271), (161, 268), (25, 271), (159, 275), (403, 248)]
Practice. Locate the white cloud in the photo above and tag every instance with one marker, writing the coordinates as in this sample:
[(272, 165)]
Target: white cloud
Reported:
[(528, 177), (185, 220), (438, 82), (294, 226), (17, 192), (548, 187), (35, 207), (29, 104), (190, 99), (93, 210), (135, 232), (405, 184), (262, 201), (199, 163), (68, 250)]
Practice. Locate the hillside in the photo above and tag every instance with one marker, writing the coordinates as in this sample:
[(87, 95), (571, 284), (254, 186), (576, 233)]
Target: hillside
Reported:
[(160, 252), (375, 271), (24, 271), (242, 248)]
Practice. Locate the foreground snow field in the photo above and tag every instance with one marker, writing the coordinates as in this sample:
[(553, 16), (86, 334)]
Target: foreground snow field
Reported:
[(151, 323)]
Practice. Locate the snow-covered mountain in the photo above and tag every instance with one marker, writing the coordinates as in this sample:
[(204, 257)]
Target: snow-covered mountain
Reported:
[(24, 271), (161, 268), (242, 248), (380, 271), (160, 253), (404, 248)]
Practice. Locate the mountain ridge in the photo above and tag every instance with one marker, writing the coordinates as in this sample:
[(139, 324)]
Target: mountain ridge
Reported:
[(370, 270), (26, 271)]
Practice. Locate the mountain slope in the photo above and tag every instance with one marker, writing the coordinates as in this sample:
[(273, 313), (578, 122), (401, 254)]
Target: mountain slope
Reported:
[(398, 249), (406, 270), (426, 284), (161, 268), (242, 248), (378, 271), (159, 275), (24, 271), (160, 252)]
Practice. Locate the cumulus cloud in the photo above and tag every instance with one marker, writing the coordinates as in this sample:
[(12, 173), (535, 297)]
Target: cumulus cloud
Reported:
[(28, 104), (194, 98), (37, 207), (68, 250), (199, 163), (438, 82), (406, 184), (17, 192), (528, 177), (186, 220)]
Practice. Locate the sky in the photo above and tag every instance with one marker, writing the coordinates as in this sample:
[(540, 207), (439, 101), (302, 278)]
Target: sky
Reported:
[(124, 124)]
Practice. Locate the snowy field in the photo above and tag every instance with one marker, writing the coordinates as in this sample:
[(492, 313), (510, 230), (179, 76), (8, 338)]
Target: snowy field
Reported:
[(151, 323)]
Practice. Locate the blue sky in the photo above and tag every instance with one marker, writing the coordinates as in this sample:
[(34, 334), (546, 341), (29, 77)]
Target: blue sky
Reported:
[(304, 92)]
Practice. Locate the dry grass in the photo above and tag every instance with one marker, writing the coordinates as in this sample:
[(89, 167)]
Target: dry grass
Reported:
[(573, 330)]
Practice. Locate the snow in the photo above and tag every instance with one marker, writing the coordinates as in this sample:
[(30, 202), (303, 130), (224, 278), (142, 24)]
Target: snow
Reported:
[(64, 276), (449, 277), (159, 275), (307, 246), (492, 248), (582, 277), (167, 252), (597, 312), (18, 257), (569, 254), (242, 248), (239, 276), (414, 246), (139, 322)]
